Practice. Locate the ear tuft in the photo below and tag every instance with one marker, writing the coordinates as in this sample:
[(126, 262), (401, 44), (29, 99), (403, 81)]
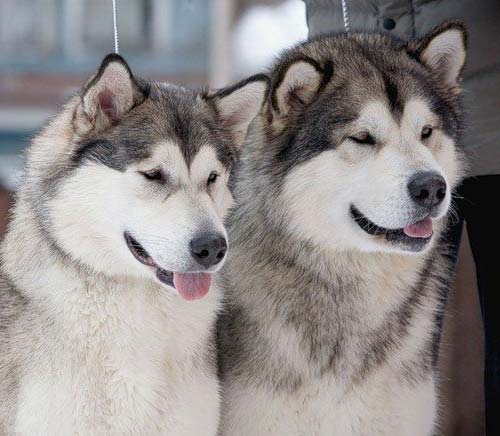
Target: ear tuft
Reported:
[(239, 104), (443, 51), (108, 95), (296, 86)]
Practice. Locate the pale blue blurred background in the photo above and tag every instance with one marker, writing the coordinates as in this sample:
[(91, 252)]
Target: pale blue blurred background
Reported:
[(49, 47)]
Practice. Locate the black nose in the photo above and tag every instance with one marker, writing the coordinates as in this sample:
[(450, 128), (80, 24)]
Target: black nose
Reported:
[(427, 189), (208, 249)]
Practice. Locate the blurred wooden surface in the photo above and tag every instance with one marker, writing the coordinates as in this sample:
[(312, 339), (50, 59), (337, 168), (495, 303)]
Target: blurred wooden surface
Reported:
[(5, 199)]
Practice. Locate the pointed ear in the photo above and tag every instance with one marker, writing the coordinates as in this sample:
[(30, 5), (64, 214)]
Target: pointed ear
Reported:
[(297, 84), (107, 96), (443, 51), (239, 104)]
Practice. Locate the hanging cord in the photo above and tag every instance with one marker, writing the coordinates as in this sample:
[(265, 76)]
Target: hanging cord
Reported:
[(115, 28), (345, 15)]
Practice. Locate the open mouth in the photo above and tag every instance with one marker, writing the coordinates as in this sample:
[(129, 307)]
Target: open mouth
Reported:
[(414, 236), (190, 285)]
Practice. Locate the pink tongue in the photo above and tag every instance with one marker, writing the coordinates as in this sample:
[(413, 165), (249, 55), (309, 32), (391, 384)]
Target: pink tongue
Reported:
[(421, 229), (192, 286)]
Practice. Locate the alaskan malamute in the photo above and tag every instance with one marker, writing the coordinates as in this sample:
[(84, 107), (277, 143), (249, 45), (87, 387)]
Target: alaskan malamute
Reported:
[(336, 267), (117, 224)]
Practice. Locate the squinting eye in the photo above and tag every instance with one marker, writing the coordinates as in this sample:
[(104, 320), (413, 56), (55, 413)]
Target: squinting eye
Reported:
[(363, 138), (212, 178), (426, 132), (155, 175)]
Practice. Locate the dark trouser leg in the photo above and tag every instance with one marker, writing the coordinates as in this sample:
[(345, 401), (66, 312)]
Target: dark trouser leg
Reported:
[(479, 207)]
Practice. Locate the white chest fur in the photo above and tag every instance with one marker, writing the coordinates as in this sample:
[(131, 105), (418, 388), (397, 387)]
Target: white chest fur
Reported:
[(121, 361), (387, 401), (380, 407)]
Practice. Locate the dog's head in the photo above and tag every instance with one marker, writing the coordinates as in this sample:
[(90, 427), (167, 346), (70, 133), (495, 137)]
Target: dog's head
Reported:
[(137, 175), (361, 130)]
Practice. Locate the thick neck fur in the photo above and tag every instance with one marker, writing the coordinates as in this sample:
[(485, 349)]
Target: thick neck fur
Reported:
[(319, 312), (257, 240)]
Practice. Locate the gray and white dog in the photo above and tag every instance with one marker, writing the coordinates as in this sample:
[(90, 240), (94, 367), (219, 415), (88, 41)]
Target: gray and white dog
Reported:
[(117, 226), (336, 267)]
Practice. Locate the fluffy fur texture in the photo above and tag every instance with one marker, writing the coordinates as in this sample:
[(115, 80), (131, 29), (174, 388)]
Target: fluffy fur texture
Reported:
[(94, 338), (330, 327)]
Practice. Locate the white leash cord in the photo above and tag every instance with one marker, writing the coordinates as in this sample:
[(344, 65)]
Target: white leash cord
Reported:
[(115, 28), (345, 15)]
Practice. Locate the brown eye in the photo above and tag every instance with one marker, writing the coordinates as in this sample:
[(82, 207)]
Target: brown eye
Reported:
[(154, 175), (363, 138), (212, 178), (426, 132)]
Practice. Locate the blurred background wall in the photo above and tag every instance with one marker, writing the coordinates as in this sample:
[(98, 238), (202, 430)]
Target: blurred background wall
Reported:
[(49, 47)]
